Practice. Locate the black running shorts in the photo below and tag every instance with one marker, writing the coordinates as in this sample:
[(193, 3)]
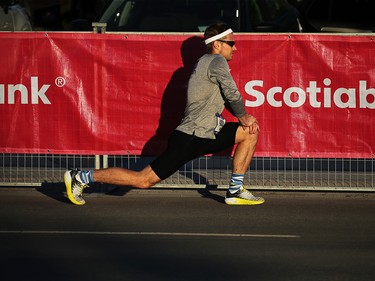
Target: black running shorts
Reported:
[(183, 148)]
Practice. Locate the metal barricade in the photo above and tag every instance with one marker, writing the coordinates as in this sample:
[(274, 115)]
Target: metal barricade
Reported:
[(265, 173)]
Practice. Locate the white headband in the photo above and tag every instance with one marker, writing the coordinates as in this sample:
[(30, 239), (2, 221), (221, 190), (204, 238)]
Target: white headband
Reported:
[(221, 35)]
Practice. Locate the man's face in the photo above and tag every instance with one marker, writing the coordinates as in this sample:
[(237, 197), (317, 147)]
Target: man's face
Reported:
[(225, 49)]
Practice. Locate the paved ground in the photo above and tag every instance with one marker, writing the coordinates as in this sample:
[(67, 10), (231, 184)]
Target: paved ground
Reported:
[(185, 235)]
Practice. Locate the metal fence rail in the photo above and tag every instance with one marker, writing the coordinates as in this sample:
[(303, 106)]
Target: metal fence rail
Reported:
[(264, 173)]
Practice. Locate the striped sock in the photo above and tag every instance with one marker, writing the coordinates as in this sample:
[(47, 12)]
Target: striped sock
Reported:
[(86, 177), (236, 182)]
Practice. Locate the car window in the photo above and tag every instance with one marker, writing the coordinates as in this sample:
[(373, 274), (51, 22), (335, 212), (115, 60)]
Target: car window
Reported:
[(169, 15), (267, 11), (341, 15), (272, 9), (196, 15)]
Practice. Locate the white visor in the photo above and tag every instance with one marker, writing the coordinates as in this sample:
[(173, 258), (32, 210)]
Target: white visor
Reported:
[(221, 35)]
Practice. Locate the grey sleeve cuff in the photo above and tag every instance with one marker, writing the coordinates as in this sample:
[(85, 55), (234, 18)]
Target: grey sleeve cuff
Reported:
[(238, 108)]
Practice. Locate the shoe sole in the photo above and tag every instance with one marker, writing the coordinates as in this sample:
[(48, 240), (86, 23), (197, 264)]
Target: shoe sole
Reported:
[(239, 201), (68, 186)]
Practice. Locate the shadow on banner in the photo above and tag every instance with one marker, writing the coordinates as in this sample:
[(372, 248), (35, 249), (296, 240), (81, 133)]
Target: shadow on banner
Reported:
[(174, 97)]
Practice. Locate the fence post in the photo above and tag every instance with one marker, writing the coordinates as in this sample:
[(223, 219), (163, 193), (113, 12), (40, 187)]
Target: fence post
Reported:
[(99, 27)]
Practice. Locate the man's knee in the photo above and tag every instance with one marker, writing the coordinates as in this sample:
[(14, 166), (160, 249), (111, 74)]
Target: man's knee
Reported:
[(144, 184), (252, 139), (147, 178), (245, 136)]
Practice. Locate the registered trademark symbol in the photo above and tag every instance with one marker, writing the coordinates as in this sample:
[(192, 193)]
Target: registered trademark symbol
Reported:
[(60, 81)]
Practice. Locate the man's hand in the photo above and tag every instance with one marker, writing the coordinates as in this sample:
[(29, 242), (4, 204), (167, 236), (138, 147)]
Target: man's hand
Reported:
[(249, 122)]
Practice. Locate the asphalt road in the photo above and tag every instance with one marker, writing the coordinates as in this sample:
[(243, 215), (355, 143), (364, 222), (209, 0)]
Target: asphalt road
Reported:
[(185, 235)]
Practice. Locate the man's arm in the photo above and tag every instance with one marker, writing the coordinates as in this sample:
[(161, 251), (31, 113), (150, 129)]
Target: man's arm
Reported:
[(219, 70)]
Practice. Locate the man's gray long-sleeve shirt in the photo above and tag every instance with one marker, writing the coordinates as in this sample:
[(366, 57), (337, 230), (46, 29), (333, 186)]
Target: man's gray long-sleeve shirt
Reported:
[(210, 86)]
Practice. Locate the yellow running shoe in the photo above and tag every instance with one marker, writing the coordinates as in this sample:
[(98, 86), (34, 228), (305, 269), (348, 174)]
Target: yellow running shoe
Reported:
[(242, 197), (74, 188)]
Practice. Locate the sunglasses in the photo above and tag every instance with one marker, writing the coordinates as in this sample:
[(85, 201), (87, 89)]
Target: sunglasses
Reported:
[(230, 43)]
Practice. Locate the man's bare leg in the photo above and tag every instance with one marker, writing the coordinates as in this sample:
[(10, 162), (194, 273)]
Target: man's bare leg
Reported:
[(120, 176), (246, 145)]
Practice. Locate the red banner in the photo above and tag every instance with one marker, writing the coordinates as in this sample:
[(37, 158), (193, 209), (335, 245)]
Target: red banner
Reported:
[(314, 95)]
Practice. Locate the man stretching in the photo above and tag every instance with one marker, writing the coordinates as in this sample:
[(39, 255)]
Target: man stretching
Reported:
[(202, 131)]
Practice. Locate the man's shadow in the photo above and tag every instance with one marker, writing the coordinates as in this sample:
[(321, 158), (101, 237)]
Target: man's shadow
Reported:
[(174, 97)]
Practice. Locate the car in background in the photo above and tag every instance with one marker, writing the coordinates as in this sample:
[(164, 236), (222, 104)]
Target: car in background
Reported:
[(13, 17), (196, 15), (341, 16)]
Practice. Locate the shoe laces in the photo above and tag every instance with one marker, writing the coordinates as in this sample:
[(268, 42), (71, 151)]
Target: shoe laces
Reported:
[(244, 193), (78, 188)]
